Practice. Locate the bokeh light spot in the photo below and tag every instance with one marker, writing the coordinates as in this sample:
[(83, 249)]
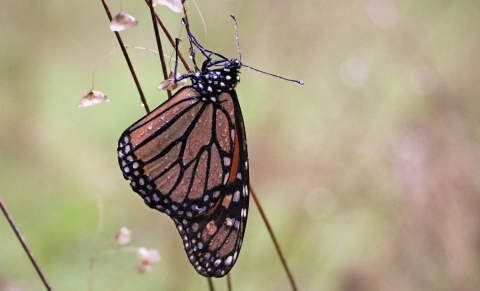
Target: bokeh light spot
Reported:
[(382, 13), (320, 203), (354, 72), (423, 80)]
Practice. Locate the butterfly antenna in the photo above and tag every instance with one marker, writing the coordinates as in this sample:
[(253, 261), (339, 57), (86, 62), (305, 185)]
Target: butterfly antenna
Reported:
[(238, 39), (203, 50), (298, 82)]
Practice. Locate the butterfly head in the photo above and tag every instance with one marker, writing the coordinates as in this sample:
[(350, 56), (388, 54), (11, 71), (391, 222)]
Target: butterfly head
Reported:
[(217, 81)]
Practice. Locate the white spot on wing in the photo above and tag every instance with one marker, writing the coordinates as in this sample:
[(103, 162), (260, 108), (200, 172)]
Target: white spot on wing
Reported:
[(243, 213), (226, 178), (228, 261), (226, 161), (236, 196), (195, 227)]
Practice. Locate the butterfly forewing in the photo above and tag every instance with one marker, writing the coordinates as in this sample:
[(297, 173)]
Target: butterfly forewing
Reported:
[(178, 156)]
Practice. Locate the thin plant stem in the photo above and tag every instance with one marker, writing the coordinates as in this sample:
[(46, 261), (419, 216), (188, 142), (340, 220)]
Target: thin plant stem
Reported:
[(159, 45), (119, 284), (210, 284), (170, 39), (203, 20), (127, 58), (24, 245), (94, 255), (229, 282), (96, 67), (274, 239)]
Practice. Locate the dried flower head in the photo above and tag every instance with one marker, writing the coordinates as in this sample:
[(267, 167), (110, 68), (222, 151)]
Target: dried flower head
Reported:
[(147, 259), (123, 236), (91, 98), (169, 83), (175, 5), (122, 21)]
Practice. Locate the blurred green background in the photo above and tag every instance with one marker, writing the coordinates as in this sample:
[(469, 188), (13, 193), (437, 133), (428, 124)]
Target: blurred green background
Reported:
[(369, 172)]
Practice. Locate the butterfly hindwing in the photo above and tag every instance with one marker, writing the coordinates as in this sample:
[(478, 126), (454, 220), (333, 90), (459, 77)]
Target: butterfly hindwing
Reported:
[(213, 240)]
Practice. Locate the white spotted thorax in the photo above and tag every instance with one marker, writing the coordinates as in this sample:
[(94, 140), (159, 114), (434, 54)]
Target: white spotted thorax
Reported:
[(212, 82)]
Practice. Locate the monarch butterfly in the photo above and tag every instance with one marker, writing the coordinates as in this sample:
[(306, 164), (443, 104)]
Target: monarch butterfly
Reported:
[(188, 158)]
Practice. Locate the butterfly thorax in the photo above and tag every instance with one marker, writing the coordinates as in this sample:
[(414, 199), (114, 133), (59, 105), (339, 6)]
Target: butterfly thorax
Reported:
[(214, 82)]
